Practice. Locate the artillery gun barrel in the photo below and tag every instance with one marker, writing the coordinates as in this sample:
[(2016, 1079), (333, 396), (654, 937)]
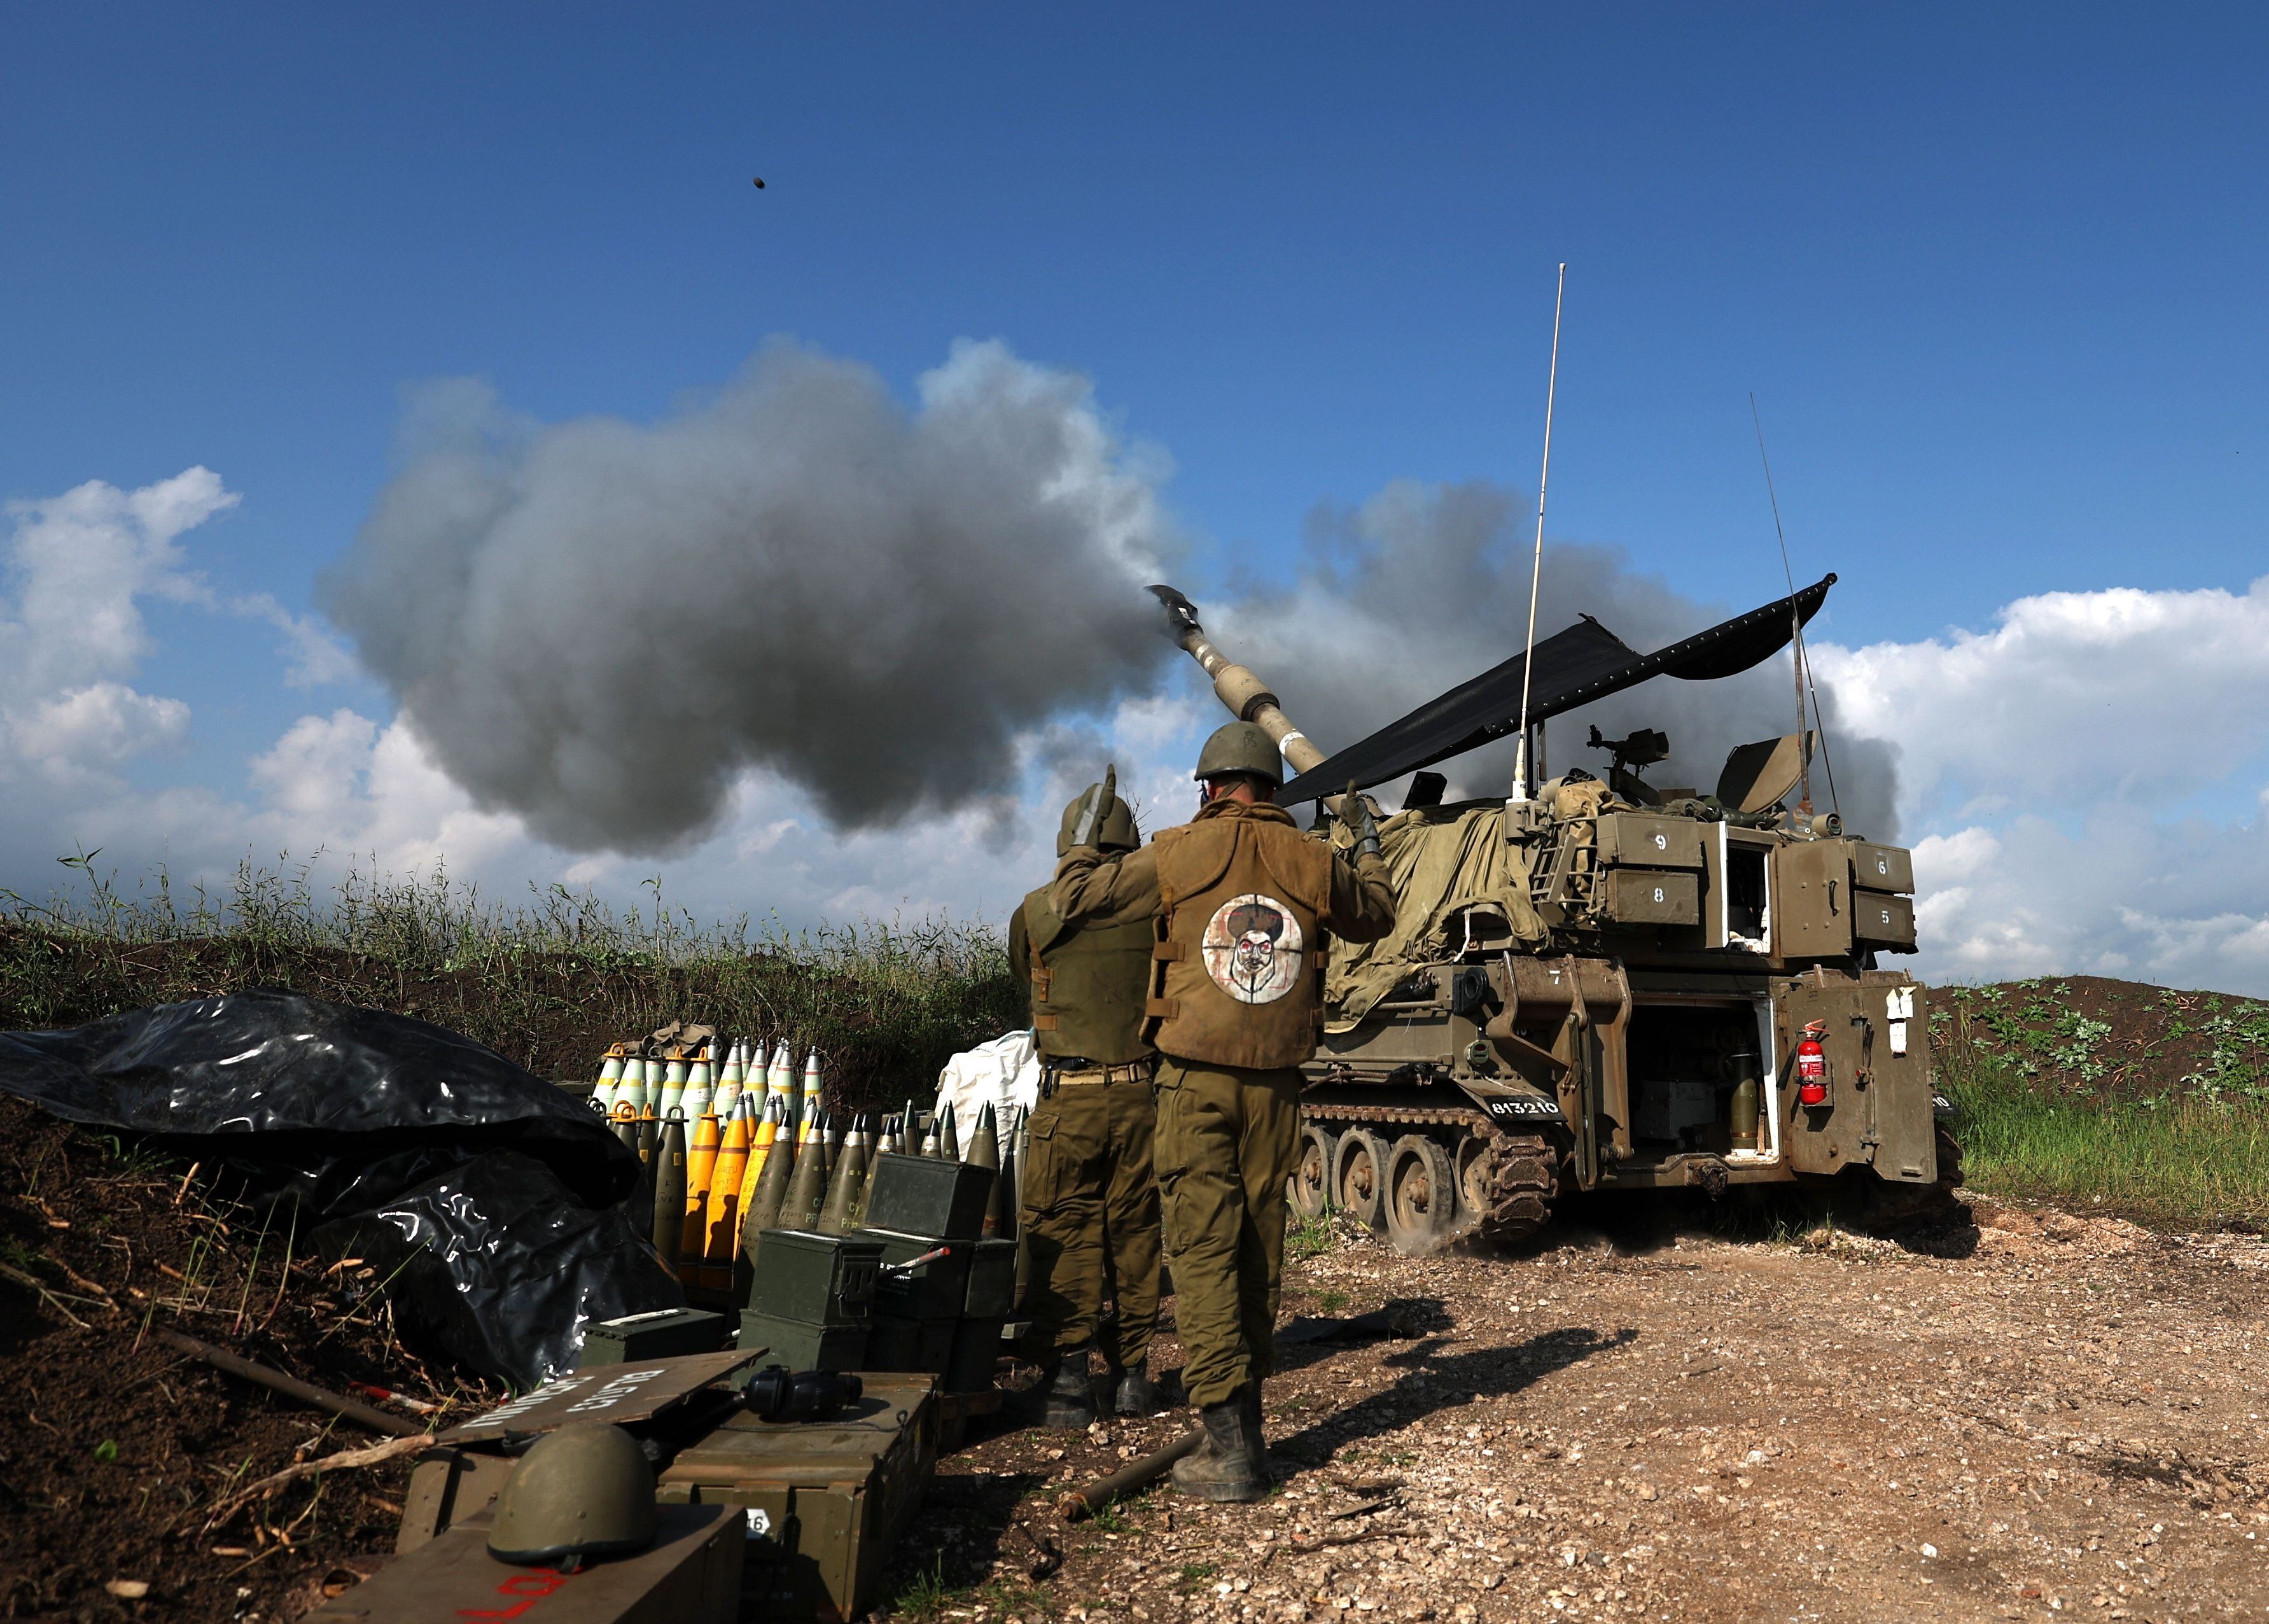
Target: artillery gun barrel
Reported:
[(1246, 695)]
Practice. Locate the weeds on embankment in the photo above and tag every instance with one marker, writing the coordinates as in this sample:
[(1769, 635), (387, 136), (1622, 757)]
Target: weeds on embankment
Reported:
[(2193, 1161), (548, 982)]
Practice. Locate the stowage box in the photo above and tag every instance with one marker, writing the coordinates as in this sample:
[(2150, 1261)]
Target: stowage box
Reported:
[(1650, 896), (1882, 920), (826, 1500), (822, 1280), (663, 1334), (925, 1195)]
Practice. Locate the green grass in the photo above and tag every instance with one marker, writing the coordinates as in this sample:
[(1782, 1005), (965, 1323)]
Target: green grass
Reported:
[(1307, 1237), (2187, 1162), (549, 981)]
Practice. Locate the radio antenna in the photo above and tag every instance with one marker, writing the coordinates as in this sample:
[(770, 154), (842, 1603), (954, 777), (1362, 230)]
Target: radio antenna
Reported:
[(1520, 761), (1804, 683)]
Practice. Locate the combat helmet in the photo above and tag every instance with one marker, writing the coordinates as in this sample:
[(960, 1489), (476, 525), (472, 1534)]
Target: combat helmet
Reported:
[(579, 1492), (1118, 833), (1241, 747)]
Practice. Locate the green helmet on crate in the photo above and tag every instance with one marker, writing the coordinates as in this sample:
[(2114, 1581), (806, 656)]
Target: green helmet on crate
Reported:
[(579, 1492)]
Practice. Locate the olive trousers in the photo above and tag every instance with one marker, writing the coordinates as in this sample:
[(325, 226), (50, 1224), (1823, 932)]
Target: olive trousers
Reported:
[(1228, 1138), (1091, 1219)]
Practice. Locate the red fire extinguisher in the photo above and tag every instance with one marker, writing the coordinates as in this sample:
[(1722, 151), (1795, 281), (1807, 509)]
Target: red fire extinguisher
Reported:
[(1812, 1065)]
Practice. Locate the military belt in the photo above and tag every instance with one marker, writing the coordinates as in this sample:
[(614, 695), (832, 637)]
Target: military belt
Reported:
[(1076, 1072)]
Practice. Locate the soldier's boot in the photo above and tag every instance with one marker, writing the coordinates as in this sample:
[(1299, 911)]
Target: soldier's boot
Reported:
[(1135, 1393), (1221, 1466), (1071, 1393), (1256, 1441)]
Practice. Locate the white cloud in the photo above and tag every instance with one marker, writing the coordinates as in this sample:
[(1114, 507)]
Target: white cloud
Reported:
[(79, 567), (2044, 764), (100, 726), (315, 657)]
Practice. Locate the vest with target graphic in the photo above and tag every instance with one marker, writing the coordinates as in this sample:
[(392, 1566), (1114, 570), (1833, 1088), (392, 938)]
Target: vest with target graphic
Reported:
[(1239, 972)]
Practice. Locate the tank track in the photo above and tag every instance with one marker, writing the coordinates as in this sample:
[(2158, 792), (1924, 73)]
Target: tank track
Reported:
[(1523, 1168), (1524, 1175)]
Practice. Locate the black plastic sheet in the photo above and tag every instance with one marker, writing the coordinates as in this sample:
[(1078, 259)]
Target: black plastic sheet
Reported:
[(489, 1200)]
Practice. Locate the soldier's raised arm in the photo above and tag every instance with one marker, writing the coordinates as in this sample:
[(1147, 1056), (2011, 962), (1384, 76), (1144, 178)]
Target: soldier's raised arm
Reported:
[(1094, 885), (1361, 906)]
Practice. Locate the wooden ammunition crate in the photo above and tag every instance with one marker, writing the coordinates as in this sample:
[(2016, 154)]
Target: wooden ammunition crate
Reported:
[(690, 1575), (826, 1500)]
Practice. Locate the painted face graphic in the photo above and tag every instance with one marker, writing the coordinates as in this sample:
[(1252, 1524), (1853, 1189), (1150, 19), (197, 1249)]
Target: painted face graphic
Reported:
[(1253, 949)]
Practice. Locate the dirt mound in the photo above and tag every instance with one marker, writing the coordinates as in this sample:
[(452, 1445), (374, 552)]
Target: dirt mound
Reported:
[(2088, 1035), (115, 1451)]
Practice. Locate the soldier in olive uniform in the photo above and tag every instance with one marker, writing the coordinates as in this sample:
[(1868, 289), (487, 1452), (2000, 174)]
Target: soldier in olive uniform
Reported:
[(1090, 1201), (1242, 899)]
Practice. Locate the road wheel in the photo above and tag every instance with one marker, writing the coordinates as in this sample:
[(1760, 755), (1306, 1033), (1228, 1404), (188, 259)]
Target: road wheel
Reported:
[(1422, 1196), (1359, 1175), (1473, 1164), (1310, 1187)]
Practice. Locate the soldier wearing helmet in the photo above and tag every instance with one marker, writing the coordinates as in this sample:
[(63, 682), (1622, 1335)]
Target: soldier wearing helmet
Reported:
[(1241, 900), (1090, 1201)]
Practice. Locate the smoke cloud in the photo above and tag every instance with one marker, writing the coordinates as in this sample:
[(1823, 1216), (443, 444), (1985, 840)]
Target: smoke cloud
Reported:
[(1424, 586), (600, 625)]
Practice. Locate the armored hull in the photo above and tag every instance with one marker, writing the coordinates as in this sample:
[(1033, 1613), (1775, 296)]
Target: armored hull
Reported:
[(1635, 1032)]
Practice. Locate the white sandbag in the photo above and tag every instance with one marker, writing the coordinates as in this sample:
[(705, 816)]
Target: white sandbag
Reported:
[(1003, 1072)]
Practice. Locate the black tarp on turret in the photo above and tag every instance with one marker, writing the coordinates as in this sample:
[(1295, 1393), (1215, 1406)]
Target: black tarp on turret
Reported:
[(1573, 667)]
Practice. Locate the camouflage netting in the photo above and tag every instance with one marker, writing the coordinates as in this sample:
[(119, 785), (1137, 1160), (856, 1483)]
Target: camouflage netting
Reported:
[(1446, 863)]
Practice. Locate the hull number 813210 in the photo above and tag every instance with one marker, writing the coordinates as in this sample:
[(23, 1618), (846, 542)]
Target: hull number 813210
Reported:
[(1526, 1107)]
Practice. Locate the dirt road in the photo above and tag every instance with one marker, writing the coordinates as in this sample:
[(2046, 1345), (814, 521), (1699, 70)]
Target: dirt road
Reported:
[(2050, 1417)]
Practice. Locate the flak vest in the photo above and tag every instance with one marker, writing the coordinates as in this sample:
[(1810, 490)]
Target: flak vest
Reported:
[(1087, 986), (1238, 973)]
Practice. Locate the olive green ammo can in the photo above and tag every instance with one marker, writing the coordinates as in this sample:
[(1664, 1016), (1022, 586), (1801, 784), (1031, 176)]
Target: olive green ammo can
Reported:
[(936, 1289), (975, 1355), (663, 1334), (803, 1347), (991, 1281), (924, 1195), (822, 1280)]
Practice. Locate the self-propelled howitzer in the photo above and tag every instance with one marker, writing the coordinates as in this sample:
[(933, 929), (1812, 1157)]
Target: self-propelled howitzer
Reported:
[(1595, 984)]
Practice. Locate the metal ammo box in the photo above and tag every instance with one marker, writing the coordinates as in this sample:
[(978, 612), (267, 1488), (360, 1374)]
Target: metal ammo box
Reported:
[(826, 1500), (925, 1195), (974, 1356), (663, 1334), (936, 1289), (691, 1574), (802, 1346), (991, 1281), (896, 1344), (820, 1279)]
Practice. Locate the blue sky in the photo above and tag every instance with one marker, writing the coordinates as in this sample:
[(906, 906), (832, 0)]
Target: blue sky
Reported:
[(1994, 273)]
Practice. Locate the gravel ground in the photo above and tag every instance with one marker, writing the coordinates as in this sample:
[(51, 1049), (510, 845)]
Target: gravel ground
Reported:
[(2030, 1415)]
